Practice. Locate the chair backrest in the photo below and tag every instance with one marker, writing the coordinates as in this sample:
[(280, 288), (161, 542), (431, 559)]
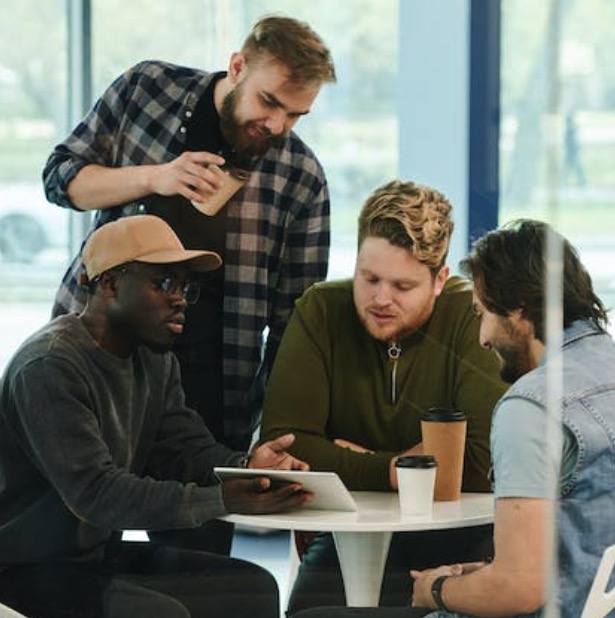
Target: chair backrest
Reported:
[(601, 601)]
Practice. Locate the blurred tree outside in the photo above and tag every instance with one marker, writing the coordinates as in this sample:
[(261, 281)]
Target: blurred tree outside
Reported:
[(583, 79), (557, 146), (32, 84)]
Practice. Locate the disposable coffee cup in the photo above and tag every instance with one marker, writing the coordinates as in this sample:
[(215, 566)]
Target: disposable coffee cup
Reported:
[(444, 437), (416, 476), (231, 182)]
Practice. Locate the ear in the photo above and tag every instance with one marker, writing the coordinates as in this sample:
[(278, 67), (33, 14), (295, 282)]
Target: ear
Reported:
[(108, 285), (440, 280), (237, 67), (520, 322)]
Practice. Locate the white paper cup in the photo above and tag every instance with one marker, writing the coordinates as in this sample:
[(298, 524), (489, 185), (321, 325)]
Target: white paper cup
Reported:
[(416, 478)]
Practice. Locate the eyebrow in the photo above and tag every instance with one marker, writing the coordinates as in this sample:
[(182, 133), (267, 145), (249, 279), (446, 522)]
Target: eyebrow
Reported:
[(279, 103), (371, 273)]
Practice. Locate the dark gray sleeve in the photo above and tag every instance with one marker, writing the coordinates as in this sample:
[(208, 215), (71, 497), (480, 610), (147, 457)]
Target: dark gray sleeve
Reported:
[(52, 412), (183, 448)]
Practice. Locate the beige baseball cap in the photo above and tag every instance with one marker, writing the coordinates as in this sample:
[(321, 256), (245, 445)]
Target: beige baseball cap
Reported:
[(140, 238)]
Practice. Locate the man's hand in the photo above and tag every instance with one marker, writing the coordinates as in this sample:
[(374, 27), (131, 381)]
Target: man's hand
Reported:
[(353, 446), (258, 496), (273, 455), (423, 580), (188, 175)]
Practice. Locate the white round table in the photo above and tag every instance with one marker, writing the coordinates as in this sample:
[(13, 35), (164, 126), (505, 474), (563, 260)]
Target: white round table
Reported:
[(362, 538)]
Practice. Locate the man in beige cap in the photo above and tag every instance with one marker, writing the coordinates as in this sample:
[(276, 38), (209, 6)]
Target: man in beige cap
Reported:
[(95, 438)]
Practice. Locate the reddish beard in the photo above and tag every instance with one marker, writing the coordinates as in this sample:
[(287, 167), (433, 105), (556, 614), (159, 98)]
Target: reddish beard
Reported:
[(237, 133)]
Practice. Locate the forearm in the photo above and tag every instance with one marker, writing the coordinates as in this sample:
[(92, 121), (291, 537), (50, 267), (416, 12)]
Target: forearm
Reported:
[(358, 471), (473, 593), (96, 187), (518, 572)]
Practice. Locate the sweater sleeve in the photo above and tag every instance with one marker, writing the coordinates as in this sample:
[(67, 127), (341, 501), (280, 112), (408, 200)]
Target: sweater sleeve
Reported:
[(66, 440), (298, 400), (183, 448)]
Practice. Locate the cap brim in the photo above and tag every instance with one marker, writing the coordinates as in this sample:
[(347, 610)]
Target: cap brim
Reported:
[(198, 261)]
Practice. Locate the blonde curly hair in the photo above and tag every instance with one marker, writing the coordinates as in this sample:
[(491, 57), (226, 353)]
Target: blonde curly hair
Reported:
[(409, 215)]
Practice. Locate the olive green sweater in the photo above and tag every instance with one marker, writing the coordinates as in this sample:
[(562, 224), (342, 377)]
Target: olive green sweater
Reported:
[(331, 379)]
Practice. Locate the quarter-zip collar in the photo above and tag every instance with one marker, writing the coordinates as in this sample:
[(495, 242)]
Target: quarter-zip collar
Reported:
[(393, 352)]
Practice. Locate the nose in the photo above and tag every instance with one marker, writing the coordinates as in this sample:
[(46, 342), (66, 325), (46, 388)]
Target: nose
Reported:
[(382, 295), (482, 340), (177, 299), (276, 122)]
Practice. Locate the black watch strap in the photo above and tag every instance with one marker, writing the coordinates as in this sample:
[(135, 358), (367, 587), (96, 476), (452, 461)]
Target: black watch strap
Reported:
[(436, 592)]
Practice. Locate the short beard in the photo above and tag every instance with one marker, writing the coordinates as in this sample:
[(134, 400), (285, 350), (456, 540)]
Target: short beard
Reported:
[(234, 132), (379, 335), (515, 364)]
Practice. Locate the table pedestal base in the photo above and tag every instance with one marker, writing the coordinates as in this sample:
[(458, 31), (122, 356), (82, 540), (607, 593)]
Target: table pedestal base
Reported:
[(362, 558)]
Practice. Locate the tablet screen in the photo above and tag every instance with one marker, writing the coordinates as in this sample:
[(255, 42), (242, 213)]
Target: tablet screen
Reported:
[(330, 493)]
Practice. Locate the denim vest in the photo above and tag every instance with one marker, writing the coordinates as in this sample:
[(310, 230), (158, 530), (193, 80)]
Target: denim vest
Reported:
[(586, 513)]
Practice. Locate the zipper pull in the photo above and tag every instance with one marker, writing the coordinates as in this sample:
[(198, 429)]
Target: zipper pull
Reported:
[(394, 352)]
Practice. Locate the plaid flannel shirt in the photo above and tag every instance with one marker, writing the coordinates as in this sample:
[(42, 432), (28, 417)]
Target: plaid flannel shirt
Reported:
[(277, 241)]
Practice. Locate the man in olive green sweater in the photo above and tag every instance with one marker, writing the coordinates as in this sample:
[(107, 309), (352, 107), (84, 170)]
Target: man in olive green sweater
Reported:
[(361, 359)]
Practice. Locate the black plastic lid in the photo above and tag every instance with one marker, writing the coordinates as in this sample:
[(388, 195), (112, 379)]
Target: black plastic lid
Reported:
[(443, 415), (416, 461)]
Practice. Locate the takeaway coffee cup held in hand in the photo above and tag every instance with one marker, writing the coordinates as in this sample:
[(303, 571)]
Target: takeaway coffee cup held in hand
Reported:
[(444, 437), (416, 476), (231, 182)]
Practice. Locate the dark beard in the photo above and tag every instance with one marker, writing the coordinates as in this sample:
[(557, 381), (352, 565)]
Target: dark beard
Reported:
[(245, 148), (514, 364)]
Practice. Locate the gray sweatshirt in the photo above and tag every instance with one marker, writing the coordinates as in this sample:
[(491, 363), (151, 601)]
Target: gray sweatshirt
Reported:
[(91, 443)]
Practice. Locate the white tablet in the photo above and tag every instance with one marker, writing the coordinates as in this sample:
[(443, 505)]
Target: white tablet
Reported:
[(330, 493)]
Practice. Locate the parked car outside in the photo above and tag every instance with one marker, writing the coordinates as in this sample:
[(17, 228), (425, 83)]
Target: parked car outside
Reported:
[(29, 224)]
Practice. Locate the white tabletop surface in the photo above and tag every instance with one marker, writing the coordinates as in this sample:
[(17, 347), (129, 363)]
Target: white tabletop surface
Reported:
[(377, 512)]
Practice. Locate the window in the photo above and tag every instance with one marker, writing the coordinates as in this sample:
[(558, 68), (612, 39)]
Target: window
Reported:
[(33, 233), (557, 143), (34, 89), (357, 152)]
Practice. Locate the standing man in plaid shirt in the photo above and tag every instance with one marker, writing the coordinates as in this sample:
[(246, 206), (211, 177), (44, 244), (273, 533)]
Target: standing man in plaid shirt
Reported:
[(154, 142)]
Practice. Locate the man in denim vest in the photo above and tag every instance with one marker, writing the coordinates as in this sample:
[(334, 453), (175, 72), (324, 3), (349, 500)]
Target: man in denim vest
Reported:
[(531, 448)]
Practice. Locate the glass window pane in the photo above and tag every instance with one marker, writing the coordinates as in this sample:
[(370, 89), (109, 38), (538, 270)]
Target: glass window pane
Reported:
[(353, 125), (558, 125), (357, 153), (33, 233)]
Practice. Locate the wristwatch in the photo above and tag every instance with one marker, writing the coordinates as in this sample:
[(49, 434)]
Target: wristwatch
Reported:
[(436, 592)]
